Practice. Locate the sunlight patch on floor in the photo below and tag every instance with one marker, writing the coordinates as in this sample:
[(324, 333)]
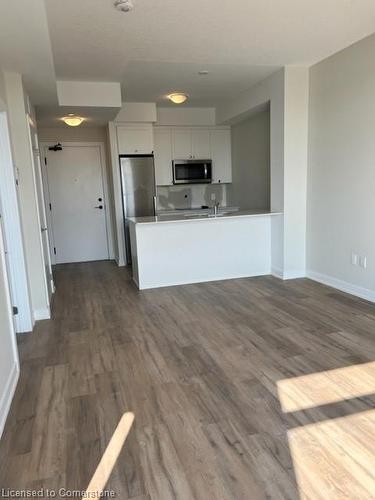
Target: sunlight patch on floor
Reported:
[(332, 386), (335, 459), (110, 456)]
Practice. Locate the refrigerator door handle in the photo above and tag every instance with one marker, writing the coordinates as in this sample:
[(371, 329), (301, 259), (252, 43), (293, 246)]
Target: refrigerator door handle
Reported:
[(155, 200)]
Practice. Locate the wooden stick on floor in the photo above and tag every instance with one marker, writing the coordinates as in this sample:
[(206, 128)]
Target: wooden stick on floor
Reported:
[(110, 456)]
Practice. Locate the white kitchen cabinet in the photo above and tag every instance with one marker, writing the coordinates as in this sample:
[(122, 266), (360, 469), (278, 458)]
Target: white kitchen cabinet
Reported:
[(200, 144), (135, 139), (221, 155), (177, 143), (163, 157), (181, 142), (191, 144)]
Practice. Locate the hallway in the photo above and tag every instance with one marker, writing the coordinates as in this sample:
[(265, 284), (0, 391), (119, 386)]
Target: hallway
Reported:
[(212, 373)]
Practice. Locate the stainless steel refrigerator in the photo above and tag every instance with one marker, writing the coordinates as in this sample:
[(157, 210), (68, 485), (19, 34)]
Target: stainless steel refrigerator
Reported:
[(138, 190)]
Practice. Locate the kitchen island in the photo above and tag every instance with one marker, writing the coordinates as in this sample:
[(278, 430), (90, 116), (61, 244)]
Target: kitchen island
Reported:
[(174, 250)]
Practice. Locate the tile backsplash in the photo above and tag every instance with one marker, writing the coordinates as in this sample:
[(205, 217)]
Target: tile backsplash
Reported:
[(191, 196)]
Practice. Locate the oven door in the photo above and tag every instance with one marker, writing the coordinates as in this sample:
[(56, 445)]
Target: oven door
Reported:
[(192, 171)]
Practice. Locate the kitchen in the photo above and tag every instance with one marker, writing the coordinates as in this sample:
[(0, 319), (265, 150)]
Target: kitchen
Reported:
[(180, 178)]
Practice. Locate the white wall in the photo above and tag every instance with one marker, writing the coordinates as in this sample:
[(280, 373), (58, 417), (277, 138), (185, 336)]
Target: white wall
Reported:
[(134, 112), (295, 170), (22, 156), (3, 106), (250, 186), (9, 368), (72, 134), (8, 351), (269, 90), (341, 193), (287, 93), (10, 212), (90, 94), (182, 116)]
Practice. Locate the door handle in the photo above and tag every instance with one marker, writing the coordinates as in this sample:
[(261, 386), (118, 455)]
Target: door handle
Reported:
[(99, 206), (43, 229)]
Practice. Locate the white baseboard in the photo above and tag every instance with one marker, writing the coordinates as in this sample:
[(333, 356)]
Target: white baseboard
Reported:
[(119, 262), (278, 273), (7, 397), (288, 275), (293, 275), (149, 286), (344, 286), (44, 313)]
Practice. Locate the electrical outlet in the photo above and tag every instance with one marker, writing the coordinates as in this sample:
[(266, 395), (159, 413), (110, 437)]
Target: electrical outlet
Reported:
[(354, 259), (363, 262), (213, 196)]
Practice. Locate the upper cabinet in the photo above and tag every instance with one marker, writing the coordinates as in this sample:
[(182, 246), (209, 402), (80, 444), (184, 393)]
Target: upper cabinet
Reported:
[(135, 139), (200, 144), (163, 156), (189, 144), (221, 155), (181, 144), (177, 143)]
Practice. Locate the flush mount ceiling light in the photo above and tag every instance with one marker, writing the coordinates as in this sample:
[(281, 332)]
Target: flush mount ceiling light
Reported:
[(72, 120), (177, 98), (203, 72), (124, 5)]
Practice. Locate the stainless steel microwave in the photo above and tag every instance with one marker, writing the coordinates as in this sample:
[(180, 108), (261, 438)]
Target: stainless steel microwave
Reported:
[(192, 171)]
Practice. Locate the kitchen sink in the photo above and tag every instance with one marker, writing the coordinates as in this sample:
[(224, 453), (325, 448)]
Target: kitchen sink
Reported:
[(205, 216)]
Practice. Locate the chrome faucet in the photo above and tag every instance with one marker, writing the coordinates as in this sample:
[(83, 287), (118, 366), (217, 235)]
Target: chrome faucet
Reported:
[(216, 208)]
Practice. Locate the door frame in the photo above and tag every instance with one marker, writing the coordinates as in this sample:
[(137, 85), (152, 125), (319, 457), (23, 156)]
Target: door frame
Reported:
[(44, 145), (37, 165), (15, 256)]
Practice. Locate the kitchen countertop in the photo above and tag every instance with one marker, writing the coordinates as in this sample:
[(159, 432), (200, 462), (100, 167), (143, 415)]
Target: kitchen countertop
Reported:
[(222, 214)]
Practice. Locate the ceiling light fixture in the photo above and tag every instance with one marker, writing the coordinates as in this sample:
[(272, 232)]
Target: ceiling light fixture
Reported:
[(177, 98), (124, 5), (72, 120), (203, 72)]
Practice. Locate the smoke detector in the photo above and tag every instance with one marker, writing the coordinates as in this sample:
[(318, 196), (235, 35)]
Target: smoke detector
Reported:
[(124, 5)]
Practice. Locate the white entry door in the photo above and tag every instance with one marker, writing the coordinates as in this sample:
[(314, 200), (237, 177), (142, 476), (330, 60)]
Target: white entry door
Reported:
[(78, 209)]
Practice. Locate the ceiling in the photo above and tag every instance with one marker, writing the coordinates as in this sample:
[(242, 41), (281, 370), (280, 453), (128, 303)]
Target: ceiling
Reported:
[(51, 116), (25, 47), (161, 44), (151, 81)]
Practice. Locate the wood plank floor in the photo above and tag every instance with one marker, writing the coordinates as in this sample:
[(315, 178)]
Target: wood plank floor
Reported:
[(243, 389)]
